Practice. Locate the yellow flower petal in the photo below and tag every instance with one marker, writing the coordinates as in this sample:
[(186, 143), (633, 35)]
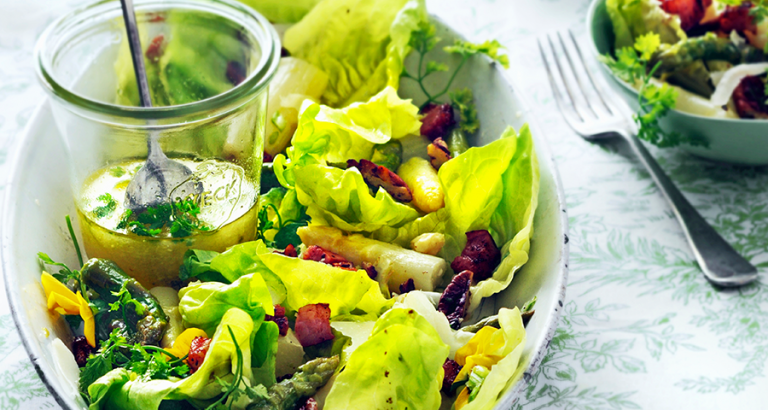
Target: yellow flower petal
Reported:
[(463, 399), (481, 350), (60, 298), (90, 323), (183, 342)]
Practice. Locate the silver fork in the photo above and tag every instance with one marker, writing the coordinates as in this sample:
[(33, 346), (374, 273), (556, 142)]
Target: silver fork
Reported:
[(596, 116)]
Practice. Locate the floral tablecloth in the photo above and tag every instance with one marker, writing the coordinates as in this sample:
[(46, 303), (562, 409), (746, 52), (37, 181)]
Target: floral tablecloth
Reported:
[(641, 329)]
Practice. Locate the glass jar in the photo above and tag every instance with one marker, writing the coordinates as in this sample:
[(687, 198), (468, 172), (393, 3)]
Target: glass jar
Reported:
[(209, 64)]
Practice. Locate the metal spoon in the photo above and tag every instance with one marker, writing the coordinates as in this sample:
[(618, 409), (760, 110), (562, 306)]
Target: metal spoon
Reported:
[(159, 176)]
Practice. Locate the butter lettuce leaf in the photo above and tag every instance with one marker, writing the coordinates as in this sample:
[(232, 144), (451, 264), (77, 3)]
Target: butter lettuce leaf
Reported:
[(336, 135), (338, 197), (342, 199), (203, 304), (360, 44), (419, 302), (310, 282), (399, 366), (633, 18), (494, 188)]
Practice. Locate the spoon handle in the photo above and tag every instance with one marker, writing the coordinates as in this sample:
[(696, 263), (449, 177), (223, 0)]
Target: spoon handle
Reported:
[(136, 52)]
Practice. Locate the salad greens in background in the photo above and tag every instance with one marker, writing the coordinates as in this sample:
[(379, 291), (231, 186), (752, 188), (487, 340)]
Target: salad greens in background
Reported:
[(271, 323), (704, 57)]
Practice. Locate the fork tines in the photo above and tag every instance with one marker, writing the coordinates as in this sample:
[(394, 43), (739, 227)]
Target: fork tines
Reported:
[(582, 100)]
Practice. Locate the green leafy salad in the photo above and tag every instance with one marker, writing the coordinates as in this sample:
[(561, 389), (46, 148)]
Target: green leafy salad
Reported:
[(703, 57), (380, 232)]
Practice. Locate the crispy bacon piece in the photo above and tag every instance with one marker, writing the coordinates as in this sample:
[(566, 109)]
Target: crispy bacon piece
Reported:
[(289, 251), (155, 49), (438, 120), (737, 18), (81, 349), (235, 72), (379, 176), (480, 255), (197, 351), (749, 98), (690, 11), (318, 254), (268, 157), (454, 301), (280, 319), (438, 153), (370, 270), (451, 369), (310, 404), (313, 324), (407, 286)]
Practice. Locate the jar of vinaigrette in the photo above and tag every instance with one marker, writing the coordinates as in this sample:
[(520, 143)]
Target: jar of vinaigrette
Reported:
[(209, 64)]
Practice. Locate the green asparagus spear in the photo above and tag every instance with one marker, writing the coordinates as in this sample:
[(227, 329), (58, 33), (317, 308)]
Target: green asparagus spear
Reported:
[(708, 47), (304, 383)]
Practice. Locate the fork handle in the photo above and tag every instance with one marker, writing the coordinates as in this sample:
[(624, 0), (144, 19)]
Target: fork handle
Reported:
[(721, 264)]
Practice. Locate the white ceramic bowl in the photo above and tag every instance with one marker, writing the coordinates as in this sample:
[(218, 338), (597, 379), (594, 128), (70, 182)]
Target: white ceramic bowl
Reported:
[(38, 196)]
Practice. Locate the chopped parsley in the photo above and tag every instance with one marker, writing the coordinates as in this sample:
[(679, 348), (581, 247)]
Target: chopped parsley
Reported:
[(179, 217), (117, 172), (105, 210), (148, 362)]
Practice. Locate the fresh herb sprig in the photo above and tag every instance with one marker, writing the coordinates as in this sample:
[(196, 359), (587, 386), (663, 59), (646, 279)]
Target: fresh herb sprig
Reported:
[(631, 65), (424, 39), (148, 362), (286, 230), (65, 275), (236, 388), (180, 217)]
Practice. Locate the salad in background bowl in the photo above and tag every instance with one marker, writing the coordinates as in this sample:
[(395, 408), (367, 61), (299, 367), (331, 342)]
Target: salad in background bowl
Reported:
[(391, 226), (694, 71)]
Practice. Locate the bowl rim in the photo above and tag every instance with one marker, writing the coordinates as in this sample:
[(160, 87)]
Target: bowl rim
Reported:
[(504, 402), (596, 54)]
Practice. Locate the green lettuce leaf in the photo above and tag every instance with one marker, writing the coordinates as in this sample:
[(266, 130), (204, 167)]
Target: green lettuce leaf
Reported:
[(398, 367), (338, 197), (360, 44), (203, 304), (336, 135), (419, 302), (342, 199), (633, 18), (243, 259), (431, 222), (197, 264), (281, 11), (494, 188), (309, 282)]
